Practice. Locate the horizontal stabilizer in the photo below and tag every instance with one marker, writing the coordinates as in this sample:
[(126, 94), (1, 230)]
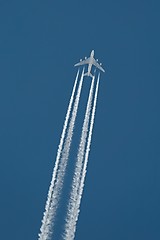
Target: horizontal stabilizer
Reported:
[(89, 75)]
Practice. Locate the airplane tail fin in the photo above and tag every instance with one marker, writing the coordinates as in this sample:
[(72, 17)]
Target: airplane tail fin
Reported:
[(90, 75)]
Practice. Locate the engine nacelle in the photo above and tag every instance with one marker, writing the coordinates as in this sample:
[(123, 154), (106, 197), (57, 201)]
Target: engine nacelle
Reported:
[(85, 57), (80, 60), (97, 60)]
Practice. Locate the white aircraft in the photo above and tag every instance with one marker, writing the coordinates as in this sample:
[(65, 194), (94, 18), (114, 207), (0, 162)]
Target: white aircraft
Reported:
[(90, 61)]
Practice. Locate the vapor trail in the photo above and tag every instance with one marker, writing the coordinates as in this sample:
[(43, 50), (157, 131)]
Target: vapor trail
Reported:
[(60, 167), (58, 157), (87, 152), (76, 200), (71, 214)]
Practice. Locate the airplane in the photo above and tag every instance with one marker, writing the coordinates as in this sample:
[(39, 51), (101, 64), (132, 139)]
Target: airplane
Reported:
[(90, 61)]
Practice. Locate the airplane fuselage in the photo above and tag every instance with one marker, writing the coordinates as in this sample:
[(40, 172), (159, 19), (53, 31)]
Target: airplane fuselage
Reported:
[(91, 62)]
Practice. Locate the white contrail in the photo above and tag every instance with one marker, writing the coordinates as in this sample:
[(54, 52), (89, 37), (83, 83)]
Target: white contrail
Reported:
[(87, 152), (76, 200), (70, 218), (47, 228), (58, 156)]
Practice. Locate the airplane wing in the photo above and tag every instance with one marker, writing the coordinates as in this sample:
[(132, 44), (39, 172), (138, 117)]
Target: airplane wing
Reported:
[(97, 65), (86, 61)]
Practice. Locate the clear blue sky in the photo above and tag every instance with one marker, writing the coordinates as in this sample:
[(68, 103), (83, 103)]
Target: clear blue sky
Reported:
[(40, 41)]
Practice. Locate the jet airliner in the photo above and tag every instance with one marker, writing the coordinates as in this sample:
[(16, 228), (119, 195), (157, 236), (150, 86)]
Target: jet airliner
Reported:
[(90, 61)]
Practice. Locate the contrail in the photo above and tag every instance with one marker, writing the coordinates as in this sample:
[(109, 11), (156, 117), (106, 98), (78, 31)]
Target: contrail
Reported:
[(87, 152), (60, 167), (71, 214), (74, 207), (58, 157)]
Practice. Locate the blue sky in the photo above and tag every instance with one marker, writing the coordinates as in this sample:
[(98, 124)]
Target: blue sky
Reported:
[(39, 44)]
